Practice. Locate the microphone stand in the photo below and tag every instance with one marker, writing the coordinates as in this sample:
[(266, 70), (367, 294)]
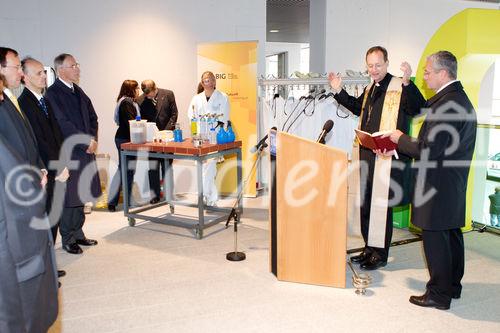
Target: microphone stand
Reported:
[(291, 114), (235, 214), (310, 99), (322, 137)]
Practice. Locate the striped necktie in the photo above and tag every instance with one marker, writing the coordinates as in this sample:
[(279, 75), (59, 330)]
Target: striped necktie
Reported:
[(43, 105), (16, 104)]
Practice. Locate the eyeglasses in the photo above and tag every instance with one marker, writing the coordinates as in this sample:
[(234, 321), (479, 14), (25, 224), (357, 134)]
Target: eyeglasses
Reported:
[(75, 66)]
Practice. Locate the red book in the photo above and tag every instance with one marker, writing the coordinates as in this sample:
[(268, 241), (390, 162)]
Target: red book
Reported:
[(375, 141)]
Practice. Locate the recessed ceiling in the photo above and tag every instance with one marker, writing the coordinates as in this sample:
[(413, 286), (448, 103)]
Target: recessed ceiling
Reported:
[(291, 18)]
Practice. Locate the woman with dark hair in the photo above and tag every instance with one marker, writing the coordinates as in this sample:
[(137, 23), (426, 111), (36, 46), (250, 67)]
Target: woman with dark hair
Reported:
[(126, 109)]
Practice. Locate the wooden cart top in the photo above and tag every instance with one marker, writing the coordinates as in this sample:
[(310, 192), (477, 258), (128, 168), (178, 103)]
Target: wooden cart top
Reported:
[(184, 148)]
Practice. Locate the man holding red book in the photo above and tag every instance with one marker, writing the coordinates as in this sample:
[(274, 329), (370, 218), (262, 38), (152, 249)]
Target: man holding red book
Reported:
[(385, 105)]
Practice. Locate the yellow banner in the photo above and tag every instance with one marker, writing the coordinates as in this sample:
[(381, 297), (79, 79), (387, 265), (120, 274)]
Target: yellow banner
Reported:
[(235, 67)]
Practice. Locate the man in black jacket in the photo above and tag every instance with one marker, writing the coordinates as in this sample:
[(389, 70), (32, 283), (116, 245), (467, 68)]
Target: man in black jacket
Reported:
[(77, 120), (48, 135), (28, 287), (443, 153), (158, 106), (14, 125)]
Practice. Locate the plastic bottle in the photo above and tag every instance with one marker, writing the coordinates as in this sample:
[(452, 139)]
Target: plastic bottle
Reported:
[(177, 133), (230, 133), (198, 126), (210, 123), (203, 127), (194, 124), (213, 136), (221, 136), (137, 130)]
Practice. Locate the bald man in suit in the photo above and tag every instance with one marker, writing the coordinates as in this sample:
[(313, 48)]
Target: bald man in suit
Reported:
[(48, 136)]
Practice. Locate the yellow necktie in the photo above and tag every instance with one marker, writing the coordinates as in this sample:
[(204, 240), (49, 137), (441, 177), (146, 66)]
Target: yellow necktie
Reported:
[(16, 104)]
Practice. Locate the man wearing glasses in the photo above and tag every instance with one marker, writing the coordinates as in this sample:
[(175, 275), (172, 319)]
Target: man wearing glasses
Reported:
[(28, 287), (76, 116), (443, 152)]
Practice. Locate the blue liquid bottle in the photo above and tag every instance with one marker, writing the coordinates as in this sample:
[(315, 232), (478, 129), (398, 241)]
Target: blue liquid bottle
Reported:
[(230, 134), (221, 136), (177, 133)]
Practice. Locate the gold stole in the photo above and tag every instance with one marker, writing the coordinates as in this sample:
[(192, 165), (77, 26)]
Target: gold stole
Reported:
[(382, 171)]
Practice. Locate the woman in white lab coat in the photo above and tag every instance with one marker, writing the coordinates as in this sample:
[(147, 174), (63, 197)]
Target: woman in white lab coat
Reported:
[(209, 101)]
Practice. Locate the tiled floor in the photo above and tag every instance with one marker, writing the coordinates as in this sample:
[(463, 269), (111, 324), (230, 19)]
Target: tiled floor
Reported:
[(157, 278)]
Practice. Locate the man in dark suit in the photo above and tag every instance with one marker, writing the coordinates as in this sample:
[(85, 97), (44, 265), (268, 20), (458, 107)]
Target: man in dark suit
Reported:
[(443, 152), (2, 85), (158, 106), (48, 135), (14, 125), (28, 288), (78, 121)]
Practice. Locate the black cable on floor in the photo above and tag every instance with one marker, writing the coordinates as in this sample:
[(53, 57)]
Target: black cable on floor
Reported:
[(480, 227), (396, 243), (477, 227)]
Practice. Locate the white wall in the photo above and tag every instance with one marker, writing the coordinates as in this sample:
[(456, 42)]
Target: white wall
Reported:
[(404, 27), (117, 40), (293, 51)]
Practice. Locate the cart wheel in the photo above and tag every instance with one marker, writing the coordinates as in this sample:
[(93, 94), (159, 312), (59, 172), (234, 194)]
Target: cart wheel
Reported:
[(172, 209), (198, 233), (131, 221)]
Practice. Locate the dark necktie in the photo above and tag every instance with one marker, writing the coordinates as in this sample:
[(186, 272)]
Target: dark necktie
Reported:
[(43, 105)]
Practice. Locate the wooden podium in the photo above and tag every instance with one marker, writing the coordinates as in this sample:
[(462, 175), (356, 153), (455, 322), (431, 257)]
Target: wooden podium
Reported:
[(308, 212)]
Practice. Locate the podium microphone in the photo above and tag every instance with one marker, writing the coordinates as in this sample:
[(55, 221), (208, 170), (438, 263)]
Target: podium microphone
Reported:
[(327, 127), (262, 142)]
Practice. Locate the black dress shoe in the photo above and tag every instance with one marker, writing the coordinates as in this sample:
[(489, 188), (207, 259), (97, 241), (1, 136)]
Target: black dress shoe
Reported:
[(112, 208), (61, 273), (72, 248), (86, 242), (373, 263), (426, 301), (360, 257), (154, 201)]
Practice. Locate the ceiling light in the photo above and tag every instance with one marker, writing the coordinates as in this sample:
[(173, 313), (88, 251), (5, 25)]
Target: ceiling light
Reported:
[(274, 30)]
